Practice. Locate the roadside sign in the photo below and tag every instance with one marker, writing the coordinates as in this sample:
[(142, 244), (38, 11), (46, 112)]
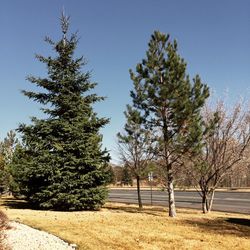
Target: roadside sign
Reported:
[(150, 179), (150, 176)]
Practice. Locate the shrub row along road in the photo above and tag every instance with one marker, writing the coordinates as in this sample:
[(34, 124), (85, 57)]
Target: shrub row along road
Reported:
[(238, 202)]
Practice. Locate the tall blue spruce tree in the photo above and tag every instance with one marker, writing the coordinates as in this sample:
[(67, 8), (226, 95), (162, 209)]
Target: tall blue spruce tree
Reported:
[(61, 164)]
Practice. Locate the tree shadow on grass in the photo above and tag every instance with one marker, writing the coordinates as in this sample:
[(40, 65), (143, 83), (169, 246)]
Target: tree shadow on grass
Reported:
[(14, 203), (239, 221), (129, 209), (232, 226)]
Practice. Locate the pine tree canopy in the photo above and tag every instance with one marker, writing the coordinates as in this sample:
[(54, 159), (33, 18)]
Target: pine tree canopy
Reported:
[(166, 95), (61, 164)]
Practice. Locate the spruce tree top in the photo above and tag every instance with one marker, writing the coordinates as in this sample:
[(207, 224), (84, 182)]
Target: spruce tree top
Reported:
[(65, 79)]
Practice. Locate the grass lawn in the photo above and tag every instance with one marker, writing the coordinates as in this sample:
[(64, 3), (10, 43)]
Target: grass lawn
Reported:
[(120, 226)]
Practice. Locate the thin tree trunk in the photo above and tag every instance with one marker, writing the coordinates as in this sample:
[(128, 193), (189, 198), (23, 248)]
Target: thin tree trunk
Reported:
[(211, 201), (139, 191), (171, 201), (204, 202)]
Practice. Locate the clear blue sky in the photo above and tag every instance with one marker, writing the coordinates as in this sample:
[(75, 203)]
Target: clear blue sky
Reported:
[(213, 37)]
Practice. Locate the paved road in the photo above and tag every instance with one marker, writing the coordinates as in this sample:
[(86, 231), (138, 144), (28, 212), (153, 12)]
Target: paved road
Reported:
[(238, 202)]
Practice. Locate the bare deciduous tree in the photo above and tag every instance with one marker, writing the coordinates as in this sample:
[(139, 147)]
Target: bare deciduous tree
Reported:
[(135, 146), (224, 149)]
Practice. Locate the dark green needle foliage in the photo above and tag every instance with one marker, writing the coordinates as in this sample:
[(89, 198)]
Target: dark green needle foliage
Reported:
[(61, 164), (171, 103)]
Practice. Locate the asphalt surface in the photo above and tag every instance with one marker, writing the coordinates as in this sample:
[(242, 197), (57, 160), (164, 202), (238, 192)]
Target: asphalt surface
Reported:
[(237, 202)]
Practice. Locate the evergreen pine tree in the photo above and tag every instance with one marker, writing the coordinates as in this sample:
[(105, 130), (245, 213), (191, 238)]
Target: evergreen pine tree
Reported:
[(61, 164), (171, 104)]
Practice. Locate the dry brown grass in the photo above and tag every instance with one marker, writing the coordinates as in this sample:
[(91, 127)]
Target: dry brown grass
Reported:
[(118, 226)]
